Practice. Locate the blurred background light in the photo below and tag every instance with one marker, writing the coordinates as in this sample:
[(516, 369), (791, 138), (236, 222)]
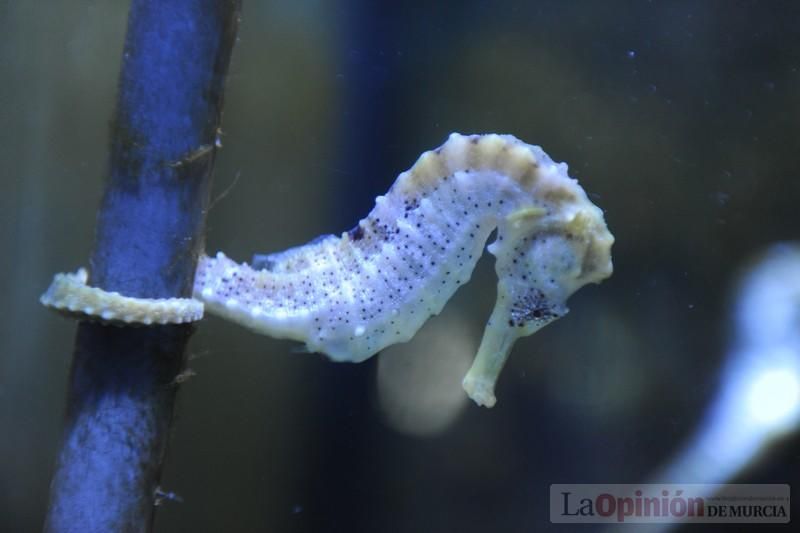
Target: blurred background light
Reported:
[(419, 382), (774, 397), (759, 397)]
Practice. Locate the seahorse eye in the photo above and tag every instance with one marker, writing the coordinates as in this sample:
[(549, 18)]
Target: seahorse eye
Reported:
[(533, 306)]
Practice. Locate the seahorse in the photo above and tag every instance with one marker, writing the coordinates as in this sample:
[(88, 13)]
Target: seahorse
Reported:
[(350, 296)]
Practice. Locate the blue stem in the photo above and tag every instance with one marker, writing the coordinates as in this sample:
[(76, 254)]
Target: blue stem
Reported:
[(149, 233)]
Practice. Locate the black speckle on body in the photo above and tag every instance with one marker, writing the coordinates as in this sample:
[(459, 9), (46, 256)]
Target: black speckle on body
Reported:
[(356, 234)]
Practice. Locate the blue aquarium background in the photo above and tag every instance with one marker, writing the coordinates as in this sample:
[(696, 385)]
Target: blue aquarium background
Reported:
[(680, 119)]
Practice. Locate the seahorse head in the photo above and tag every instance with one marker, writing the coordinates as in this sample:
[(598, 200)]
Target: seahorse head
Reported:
[(543, 256)]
